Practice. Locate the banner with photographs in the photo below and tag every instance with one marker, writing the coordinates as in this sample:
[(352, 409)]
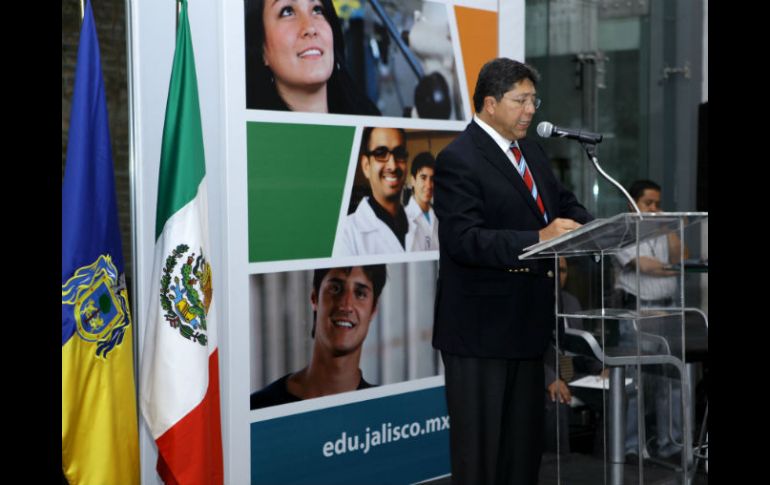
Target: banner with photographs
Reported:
[(340, 108)]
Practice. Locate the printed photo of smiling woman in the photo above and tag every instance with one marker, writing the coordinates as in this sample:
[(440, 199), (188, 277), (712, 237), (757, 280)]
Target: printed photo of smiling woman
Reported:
[(295, 59)]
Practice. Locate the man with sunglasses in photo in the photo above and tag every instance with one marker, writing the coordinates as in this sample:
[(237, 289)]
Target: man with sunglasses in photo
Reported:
[(494, 195), (379, 224)]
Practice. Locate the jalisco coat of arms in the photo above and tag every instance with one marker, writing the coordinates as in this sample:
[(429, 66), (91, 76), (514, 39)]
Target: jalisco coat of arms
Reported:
[(185, 293), (100, 304)]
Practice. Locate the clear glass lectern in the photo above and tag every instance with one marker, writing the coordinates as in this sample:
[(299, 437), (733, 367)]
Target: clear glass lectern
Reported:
[(634, 329)]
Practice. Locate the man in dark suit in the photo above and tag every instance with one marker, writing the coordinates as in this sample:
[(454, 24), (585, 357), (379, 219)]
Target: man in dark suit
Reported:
[(494, 196)]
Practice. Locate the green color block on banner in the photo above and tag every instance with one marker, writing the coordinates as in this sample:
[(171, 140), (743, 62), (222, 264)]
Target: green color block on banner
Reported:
[(296, 175)]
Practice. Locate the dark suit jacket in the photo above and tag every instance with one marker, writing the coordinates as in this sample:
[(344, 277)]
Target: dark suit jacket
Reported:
[(490, 304)]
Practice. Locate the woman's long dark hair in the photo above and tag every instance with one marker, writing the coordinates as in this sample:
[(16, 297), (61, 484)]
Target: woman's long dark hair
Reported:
[(342, 94)]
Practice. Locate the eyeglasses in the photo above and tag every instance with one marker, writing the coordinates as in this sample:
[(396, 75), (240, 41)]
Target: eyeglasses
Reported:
[(535, 102), (382, 153)]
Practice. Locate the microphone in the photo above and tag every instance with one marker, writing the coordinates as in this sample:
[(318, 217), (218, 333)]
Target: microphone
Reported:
[(547, 130)]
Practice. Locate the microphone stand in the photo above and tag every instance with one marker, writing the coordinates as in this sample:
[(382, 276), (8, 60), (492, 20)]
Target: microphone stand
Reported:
[(590, 149)]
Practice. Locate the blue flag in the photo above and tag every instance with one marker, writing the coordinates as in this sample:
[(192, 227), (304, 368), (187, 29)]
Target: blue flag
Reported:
[(99, 430)]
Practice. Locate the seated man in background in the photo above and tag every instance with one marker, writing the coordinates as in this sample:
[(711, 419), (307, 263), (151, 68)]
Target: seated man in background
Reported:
[(344, 303), (658, 287)]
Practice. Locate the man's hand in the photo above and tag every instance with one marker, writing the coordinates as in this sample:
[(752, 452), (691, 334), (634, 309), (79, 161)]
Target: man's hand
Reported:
[(558, 388), (556, 228)]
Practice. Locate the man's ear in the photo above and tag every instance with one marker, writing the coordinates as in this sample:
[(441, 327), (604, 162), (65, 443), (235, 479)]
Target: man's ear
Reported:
[(314, 300), (490, 104)]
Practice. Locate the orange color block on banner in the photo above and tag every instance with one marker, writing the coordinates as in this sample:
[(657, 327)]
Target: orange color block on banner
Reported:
[(478, 41)]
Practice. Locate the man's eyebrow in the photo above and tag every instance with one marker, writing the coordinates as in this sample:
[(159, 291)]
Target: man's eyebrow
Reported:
[(363, 285), (342, 281), (335, 280)]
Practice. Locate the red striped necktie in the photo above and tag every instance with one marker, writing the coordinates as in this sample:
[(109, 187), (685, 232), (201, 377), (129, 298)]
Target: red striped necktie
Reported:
[(527, 176)]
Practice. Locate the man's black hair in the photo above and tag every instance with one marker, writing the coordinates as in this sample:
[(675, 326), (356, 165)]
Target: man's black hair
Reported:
[(423, 159), (638, 187), (498, 76), (368, 134)]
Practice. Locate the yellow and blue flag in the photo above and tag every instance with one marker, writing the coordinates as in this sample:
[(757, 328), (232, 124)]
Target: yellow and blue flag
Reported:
[(99, 430)]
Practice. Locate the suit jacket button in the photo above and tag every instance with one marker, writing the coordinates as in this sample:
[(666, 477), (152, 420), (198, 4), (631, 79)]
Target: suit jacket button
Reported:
[(550, 273)]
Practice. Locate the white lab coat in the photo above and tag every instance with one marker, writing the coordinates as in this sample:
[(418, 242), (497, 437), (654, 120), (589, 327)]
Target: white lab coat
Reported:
[(425, 233), (363, 232)]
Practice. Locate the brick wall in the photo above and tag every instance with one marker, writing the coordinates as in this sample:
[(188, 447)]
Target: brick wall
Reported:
[(110, 16)]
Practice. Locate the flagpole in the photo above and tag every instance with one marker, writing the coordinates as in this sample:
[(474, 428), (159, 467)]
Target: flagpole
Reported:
[(82, 10), (178, 13)]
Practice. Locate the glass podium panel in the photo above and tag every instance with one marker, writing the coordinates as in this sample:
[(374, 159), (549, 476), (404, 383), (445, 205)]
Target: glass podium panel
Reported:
[(613, 234), (617, 396)]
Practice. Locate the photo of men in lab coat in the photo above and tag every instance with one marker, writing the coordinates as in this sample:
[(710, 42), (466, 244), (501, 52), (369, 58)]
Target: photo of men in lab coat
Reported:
[(419, 208), (378, 222)]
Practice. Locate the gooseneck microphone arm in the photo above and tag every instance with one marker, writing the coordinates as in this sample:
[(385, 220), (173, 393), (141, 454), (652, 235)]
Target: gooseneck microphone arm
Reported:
[(590, 149), (589, 141)]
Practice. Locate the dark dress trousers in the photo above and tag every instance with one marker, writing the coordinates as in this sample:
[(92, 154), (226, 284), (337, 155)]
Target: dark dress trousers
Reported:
[(494, 314)]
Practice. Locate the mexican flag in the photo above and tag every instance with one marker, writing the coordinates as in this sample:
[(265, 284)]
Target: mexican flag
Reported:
[(179, 395)]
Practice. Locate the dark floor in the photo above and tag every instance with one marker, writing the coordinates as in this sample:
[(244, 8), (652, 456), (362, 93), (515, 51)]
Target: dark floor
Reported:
[(579, 469)]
